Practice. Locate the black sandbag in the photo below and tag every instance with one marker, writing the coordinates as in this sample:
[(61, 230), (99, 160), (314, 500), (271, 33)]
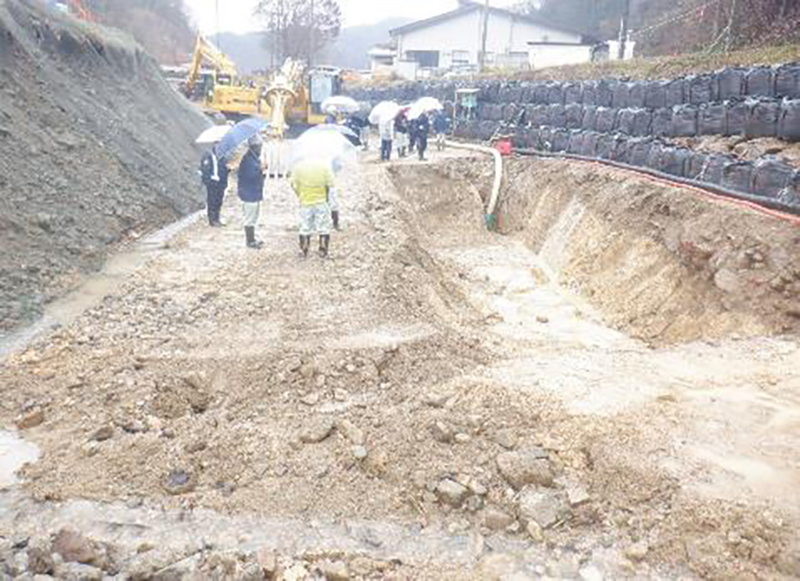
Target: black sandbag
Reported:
[(541, 115), (573, 115), (760, 82), (763, 120), (655, 95), (558, 116), (675, 93), (654, 156), (737, 115), (684, 121), (636, 94), (696, 165), (711, 119), (605, 93), (589, 143), (701, 89), (791, 194), (535, 138), (575, 141), (573, 93), (771, 176), (642, 122), (619, 97), (522, 139), (731, 83), (715, 165), (789, 124), (674, 160), (626, 119), (546, 138), (606, 118), (605, 147), (511, 113), (639, 151), (662, 122), (738, 176), (560, 140), (514, 94), (787, 81), (555, 94), (540, 94), (589, 117), (526, 94), (589, 92), (622, 153), (487, 129)]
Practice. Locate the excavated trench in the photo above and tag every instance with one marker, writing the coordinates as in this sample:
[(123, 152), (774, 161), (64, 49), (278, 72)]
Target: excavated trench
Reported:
[(582, 394)]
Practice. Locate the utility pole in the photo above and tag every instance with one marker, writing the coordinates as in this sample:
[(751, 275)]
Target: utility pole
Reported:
[(732, 26), (484, 36), (623, 29), (216, 11)]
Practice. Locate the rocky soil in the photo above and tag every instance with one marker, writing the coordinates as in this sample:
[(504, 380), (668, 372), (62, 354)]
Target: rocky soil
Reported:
[(95, 148), (426, 404)]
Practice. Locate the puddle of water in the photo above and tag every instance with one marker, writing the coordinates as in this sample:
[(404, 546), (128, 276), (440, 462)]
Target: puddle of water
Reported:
[(14, 454), (95, 287)]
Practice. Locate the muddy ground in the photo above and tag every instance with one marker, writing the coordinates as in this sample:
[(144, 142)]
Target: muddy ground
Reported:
[(435, 401), (95, 149)]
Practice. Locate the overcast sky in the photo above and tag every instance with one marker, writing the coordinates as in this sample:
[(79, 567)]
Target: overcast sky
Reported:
[(237, 15)]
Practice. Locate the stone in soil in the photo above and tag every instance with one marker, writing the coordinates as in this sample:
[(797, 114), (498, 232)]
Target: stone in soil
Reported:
[(103, 434), (451, 492), (506, 438), (496, 520), (40, 558), (525, 467), (637, 551), (178, 482), (316, 430), (442, 432), (76, 548), (544, 507), (31, 419), (352, 432), (334, 570)]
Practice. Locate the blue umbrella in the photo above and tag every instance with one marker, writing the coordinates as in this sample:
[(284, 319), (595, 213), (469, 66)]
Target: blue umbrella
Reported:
[(239, 134)]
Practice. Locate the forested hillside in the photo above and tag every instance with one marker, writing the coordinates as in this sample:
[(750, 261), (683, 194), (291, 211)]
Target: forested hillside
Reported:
[(664, 27), (161, 26)]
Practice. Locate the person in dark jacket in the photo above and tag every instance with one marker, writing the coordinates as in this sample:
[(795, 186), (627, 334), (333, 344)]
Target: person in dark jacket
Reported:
[(440, 127), (422, 128), (214, 174), (251, 190), (401, 134)]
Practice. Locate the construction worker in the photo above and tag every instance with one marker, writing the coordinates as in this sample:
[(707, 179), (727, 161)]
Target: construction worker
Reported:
[(251, 189), (214, 175), (312, 181)]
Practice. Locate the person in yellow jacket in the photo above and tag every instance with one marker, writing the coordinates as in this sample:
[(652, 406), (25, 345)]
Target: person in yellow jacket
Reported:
[(312, 180)]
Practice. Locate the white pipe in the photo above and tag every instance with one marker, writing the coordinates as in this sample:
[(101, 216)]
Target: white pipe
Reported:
[(498, 170)]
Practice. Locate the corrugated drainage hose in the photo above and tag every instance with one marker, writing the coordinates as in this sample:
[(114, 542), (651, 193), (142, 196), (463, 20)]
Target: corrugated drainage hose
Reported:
[(489, 216)]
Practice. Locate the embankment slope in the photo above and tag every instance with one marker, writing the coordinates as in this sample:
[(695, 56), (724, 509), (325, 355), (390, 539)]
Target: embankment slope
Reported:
[(94, 145)]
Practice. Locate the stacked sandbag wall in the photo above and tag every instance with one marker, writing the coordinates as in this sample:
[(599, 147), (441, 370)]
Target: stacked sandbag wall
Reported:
[(618, 120)]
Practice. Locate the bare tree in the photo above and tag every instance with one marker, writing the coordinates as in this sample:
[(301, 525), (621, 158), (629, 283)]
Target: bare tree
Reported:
[(299, 29)]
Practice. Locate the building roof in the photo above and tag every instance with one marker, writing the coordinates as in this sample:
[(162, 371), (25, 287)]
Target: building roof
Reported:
[(468, 6)]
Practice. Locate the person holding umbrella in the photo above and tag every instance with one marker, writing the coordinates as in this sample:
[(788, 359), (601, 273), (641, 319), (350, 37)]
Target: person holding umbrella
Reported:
[(312, 181), (251, 189), (214, 175), (401, 132)]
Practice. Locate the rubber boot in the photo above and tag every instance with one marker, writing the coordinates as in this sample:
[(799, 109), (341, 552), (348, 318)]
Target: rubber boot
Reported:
[(324, 245), (305, 243), (250, 236), (335, 218)]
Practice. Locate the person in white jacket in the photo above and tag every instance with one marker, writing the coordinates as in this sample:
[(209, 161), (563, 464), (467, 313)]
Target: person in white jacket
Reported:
[(386, 130)]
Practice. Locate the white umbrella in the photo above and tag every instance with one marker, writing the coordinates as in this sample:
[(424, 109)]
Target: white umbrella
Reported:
[(424, 105), (328, 146), (340, 104), (384, 111), (343, 129), (213, 134)]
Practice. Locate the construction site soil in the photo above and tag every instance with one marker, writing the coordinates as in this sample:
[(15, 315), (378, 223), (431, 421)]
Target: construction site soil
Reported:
[(582, 395), (95, 148)]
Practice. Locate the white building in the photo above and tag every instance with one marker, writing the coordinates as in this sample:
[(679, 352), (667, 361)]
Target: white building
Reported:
[(453, 40)]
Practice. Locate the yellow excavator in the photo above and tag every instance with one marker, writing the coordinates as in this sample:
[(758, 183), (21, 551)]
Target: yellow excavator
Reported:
[(292, 97)]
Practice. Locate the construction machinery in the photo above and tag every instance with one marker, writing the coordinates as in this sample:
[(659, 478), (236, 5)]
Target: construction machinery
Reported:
[(291, 97)]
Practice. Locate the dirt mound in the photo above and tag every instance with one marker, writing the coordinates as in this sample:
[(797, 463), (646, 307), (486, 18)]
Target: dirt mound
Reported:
[(94, 146)]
